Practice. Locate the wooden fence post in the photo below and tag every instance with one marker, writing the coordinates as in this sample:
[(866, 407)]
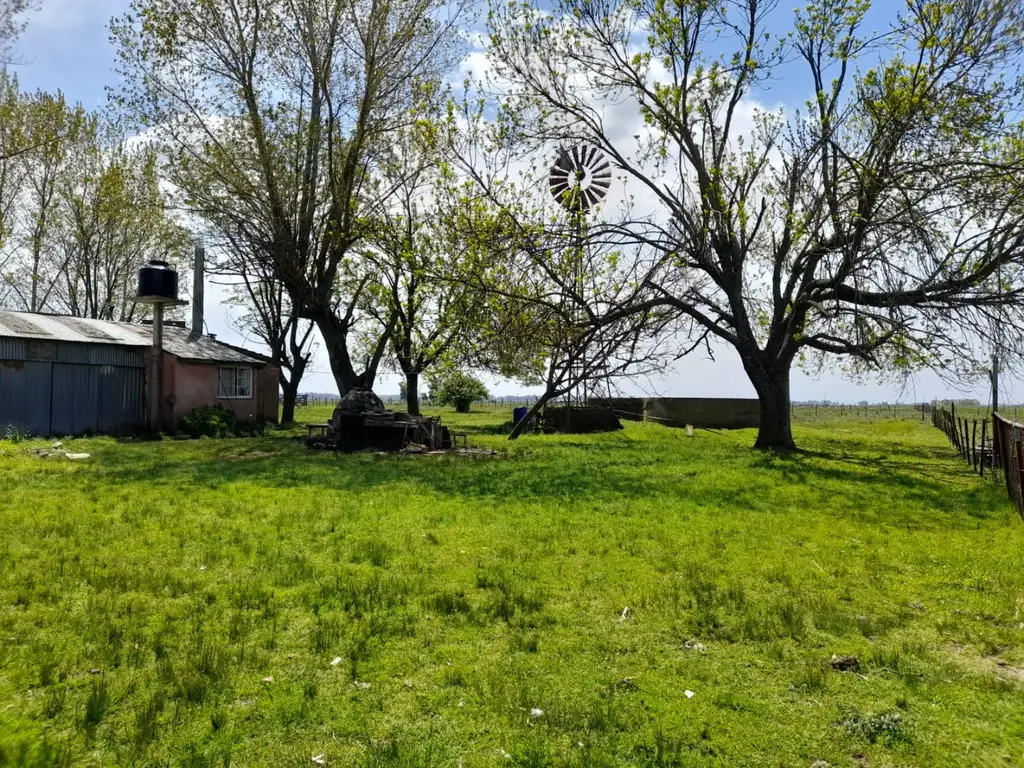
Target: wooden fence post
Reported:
[(1018, 497), (974, 445), (981, 464)]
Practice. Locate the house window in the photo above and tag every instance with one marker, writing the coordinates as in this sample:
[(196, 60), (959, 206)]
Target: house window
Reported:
[(234, 382)]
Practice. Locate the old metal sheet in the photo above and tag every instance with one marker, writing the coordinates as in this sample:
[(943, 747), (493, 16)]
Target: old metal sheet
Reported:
[(25, 396), (75, 395), (121, 403)]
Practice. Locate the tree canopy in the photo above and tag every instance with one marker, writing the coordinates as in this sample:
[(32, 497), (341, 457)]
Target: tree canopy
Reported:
[(273, 114), (881, 222)]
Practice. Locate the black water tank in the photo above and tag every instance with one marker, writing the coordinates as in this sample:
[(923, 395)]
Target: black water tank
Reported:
[(158, 278)]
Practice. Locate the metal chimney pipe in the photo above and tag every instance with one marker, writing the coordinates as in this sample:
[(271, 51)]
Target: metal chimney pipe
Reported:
[(198, 286)]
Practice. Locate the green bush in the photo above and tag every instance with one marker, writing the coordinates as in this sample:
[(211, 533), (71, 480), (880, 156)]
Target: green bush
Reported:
[(209, 421), (458, 390)]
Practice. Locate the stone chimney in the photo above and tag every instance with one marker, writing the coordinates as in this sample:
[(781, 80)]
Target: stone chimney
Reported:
[(198, 286)]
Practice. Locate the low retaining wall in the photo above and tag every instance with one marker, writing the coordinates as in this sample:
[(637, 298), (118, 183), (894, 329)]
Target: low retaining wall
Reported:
[(708, 412)]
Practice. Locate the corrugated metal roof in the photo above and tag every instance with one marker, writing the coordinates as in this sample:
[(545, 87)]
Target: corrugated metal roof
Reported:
[(27, 325), (204, 349), (177, 341)]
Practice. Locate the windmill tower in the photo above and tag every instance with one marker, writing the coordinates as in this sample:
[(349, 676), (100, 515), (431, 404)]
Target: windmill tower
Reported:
[(579, 180)]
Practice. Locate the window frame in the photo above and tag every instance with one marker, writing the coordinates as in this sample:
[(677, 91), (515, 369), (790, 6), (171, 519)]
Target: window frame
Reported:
[(221, 392)]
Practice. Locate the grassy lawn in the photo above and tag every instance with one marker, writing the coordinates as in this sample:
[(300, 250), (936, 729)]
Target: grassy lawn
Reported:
[(250, 603)]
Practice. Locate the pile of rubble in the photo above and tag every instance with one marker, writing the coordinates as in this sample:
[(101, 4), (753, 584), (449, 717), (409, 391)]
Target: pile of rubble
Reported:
[(362, 423), (58, 452)]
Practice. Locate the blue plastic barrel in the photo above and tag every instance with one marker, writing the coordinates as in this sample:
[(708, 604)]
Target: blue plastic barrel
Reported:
[(518, 414)]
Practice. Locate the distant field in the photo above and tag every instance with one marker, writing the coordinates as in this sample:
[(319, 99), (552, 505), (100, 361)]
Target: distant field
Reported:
[(184, 603)]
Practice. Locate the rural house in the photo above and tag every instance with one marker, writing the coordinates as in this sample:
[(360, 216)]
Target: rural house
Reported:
[(72, 376)]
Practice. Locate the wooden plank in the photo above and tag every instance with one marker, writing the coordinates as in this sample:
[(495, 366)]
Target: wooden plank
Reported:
[(981, 464)]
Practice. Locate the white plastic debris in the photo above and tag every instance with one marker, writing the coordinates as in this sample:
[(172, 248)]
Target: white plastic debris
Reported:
[(58, 445), (320, 759), (626, 613), (689, 694), (361, 686), (536, 712), (202, 568), (336, 661), (268, 679), (78, 456)]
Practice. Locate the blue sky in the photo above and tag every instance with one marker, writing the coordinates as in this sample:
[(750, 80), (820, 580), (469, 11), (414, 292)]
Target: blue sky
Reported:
[(66, 47)]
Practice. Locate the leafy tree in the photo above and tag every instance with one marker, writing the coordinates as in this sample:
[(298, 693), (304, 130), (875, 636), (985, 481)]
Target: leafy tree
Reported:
[(80, 209), (881, 224), (561, 304), (52, 127), (111, 217), (12, 23), (269, 315), (457, 389), (273, 114), (13, 171), (424, 240)]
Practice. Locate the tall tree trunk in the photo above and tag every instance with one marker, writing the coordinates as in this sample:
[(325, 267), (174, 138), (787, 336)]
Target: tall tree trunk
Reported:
[(289, 394), (771, 381), (335, 337), (412, 392)]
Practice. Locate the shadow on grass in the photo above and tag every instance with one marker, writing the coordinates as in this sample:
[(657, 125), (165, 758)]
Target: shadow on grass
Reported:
[(840, 478), (938, 485), (281, 464)]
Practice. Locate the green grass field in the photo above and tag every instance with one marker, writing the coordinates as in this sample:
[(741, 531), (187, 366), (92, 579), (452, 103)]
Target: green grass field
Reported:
[(250, 603)]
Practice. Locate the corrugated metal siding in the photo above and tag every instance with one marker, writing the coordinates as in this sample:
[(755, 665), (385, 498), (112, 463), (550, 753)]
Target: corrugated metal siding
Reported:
[(75, 396), (71, 352), (121, 403), (25, 396), (12, 349), (48, 399)]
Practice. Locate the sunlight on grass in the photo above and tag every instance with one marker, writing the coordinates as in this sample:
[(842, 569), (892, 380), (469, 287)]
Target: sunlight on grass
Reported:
[(249, 602)]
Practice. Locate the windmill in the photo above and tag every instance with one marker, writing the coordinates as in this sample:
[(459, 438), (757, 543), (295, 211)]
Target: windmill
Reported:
[(579, 180)]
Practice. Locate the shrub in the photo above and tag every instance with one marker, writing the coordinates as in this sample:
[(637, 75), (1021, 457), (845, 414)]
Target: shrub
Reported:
[(458, 390), (888, 727), (209, 421)]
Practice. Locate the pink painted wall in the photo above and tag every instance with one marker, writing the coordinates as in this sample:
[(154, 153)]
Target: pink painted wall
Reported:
[(190, 385)]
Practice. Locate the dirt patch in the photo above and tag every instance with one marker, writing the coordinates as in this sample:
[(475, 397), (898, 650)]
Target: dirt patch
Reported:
[(1008, 672), (253, 455), (991, 666)]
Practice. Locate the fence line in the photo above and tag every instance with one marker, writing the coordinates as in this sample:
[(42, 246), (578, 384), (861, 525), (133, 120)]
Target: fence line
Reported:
[(1000, 448), (1009, 441)]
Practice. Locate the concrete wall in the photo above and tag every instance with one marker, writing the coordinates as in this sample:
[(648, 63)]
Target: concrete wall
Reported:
[(189, 385), (710, 412)]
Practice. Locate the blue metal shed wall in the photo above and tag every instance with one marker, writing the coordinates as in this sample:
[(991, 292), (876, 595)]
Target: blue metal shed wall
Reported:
[(71, 352), (12, 349), (65, 399), (25, 396), (121, 400)]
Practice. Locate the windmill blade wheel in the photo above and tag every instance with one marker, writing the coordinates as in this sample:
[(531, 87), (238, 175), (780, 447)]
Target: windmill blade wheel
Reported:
[(580, 178)]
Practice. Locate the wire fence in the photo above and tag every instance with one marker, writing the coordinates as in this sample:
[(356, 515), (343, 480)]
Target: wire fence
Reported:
[(995, 444)]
